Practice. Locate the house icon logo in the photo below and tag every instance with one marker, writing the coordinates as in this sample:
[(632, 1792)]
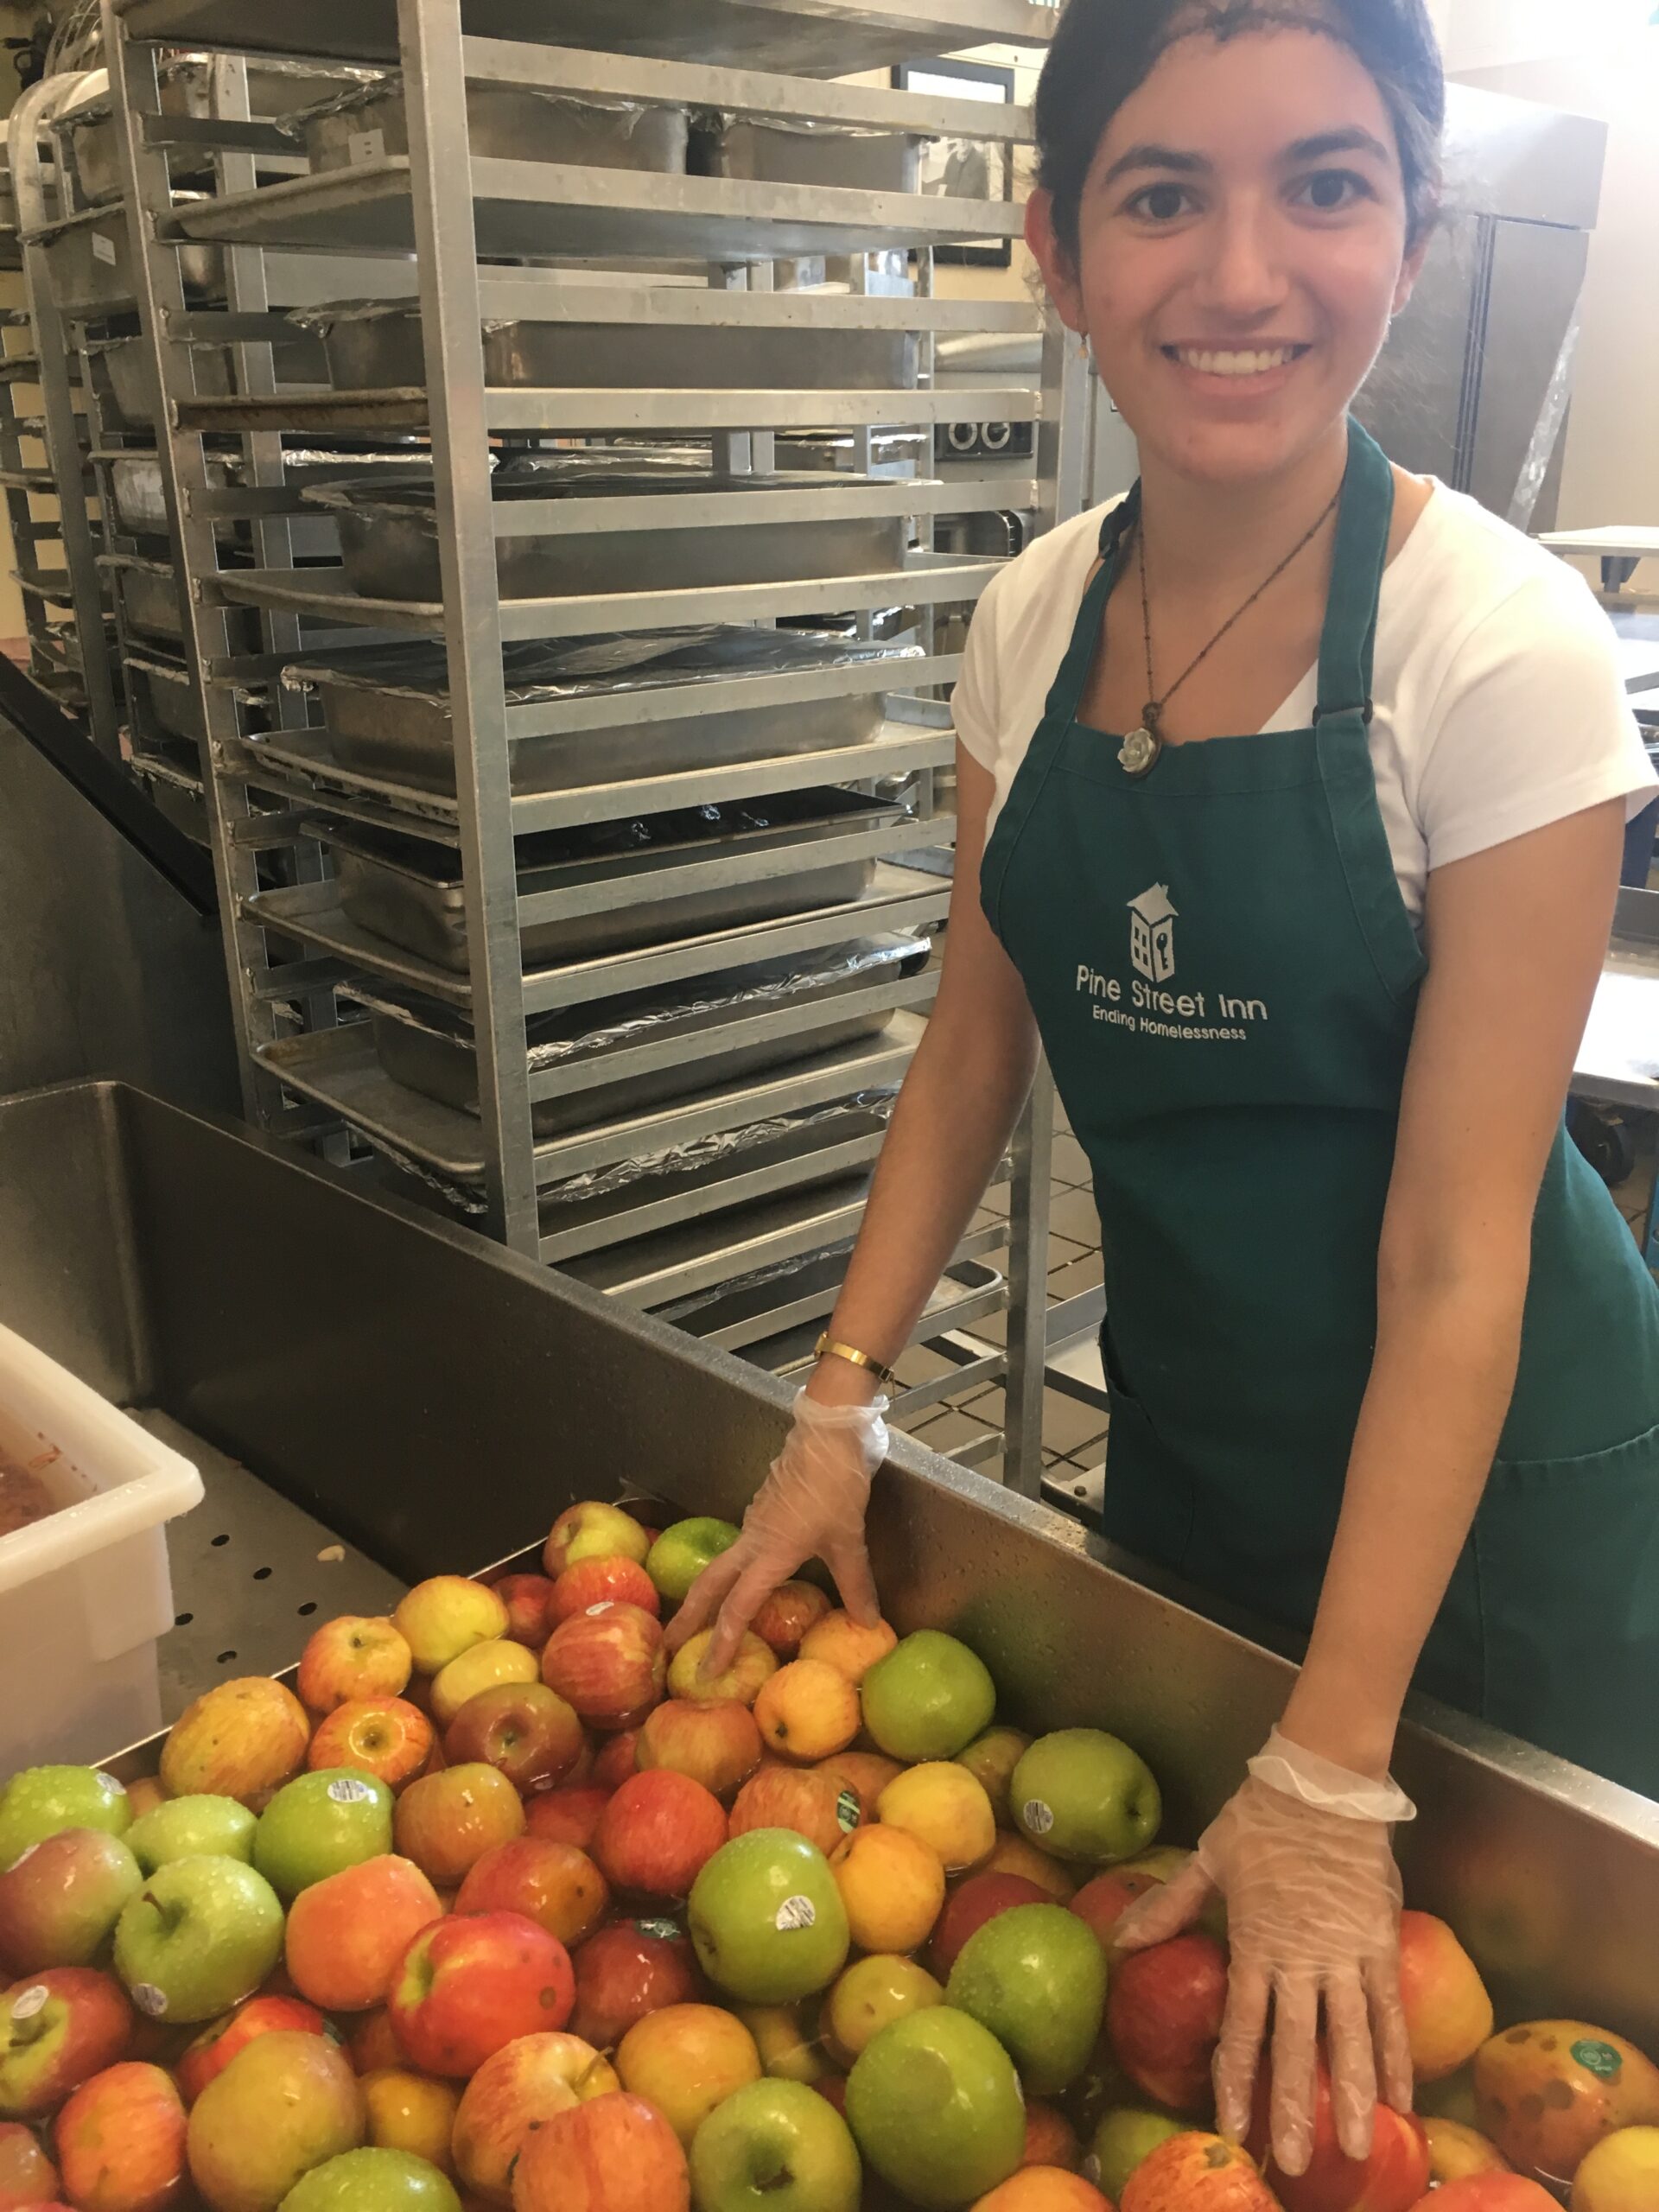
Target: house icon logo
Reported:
[(1152, 934)]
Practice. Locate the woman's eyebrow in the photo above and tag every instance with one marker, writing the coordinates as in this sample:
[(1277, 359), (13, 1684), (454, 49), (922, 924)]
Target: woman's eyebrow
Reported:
[(1355, 139), (1157, 157)]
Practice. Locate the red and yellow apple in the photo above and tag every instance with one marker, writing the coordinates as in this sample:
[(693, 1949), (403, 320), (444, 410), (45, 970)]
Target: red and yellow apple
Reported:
[(470, 1984), (28, 2177), (718, 1745), (1163, 2018), (484, 1666), (1391, 2179), (592, 1530), (283, 2104), (754, 1664), (446, 1822), (618, 1758), (942, 1803), (554, 1885), (120, 2142), (1044, 2188), (968, 1907), (1448, 2013), (1195, 2172), (567, 1816), (803, 1798), (791, 1609), (1547, 2091), (613, 2154), (523, 1729), (60, 1900), (211, 2052), (241, 1740), (446, 1615), (893, 1886), (608, 1665), (411, 2112), (598, 1582), (347, 1934), (841, 1642), (516, 2091), (58, 2028), (386, 1737), (657, 1833), (685, 2059), (866, 1774), (627, 1970), (529, 1601), (807, 1710), (352, 1656)]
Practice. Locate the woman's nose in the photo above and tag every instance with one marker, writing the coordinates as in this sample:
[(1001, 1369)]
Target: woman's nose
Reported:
[(1242, 273)]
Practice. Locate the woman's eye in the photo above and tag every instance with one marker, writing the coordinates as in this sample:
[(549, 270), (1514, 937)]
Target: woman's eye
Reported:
[(1160, 203), (1330, 190)]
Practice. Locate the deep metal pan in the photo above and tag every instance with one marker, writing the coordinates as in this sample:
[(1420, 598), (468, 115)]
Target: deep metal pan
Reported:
[(120, 368), (89, 264), (805, 153), (148, 592), (511, 122), (171, 697)]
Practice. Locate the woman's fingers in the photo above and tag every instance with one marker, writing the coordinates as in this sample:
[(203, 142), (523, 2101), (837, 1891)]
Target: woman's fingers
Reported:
[(1239, 2052), (1164, 1912), (705, 1597), (1295, 2041), (849, 1563), (754, 1582), (1391, 2037), (1353, 2064)]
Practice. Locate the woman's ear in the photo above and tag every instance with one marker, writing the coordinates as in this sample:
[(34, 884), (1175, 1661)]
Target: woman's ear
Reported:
[(1059, 272), (1410, 269)]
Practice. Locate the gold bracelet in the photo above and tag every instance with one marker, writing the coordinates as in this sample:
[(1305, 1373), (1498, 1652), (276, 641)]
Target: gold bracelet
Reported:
[(827, 1345)]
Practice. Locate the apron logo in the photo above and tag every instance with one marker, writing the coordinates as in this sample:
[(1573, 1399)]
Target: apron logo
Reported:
[(1152, 934)]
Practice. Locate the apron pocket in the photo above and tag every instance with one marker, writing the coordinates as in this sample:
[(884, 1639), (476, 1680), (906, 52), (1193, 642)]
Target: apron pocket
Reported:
[(1566, 1581), (1148, 1503)]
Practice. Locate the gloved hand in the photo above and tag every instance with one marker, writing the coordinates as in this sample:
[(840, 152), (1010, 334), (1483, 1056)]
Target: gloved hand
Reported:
[(810, 1506), (1304, 1857)]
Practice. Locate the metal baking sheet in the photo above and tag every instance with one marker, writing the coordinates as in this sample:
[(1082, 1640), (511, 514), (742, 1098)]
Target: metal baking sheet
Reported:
[(1617, 1062), (507, 123), (696, 1255)]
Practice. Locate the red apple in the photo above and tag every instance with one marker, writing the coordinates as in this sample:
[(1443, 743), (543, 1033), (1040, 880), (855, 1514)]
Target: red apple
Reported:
[(120, 2142), (627, 1970), (554, 1885), (601, 1581), (346, 1933), (373, 2045), (219, 2043), (528, 1600), (446, 1822), (28, 2180), (718, 1745), (352, 1657), (592, 1530), (1104, 1901), (1392, 2179), (60, 1900), (387, 1737), (617, 1761), (791, 1609), (1448, 2013), (567, 1816), (1051, 2139), (468, 1985), (523, 1729), (514, 2092), (1488, 2193), (608, 1664), (657, 1833), (1163, 2018), (614, 2154), (804, 1798), (57, 2029), (968, 1907)]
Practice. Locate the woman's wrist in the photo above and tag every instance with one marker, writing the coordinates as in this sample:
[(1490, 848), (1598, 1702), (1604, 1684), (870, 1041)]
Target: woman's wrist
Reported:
[(835, 1382), (1354, 1733)]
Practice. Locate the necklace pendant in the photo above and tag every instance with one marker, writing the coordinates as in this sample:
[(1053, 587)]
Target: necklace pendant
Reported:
[(1139, 752)]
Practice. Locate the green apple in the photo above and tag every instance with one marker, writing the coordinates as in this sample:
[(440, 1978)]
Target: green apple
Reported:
[(193, 1827), (683, 1549), (197, 1938), (766, 1918), (1036, 1977), (1082, 1794), (928, 1698), (374, 2181), (42, 1800), (775, 2146), (318, 1825), (934, 2104), (1123, 2138)]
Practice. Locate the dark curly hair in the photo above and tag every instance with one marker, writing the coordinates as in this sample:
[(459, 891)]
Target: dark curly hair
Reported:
[(1104, 50)]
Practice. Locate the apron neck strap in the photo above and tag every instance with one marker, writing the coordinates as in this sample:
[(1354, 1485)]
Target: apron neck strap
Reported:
[(1072, 679), (1348, 644)]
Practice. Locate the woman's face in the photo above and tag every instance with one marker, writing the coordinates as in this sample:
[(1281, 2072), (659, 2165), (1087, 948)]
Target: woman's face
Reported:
[(1242, 247)]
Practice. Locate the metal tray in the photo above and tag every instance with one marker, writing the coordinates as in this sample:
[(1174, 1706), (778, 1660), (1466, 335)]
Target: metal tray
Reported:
[(410, 892), (375, 345), (170, 695), (141, 508), (120, 370), (804, 153), (89, 264), (148, 593), (510, 123), (389, 539)]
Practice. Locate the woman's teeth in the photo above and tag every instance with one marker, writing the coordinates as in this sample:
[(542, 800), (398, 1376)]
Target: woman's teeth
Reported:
[(1254, 364)]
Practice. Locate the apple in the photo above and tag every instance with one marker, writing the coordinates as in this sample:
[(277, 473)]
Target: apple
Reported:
[(599, 1582), (57, 2029), (657, 1833), (869, 1996), (120, 2141), (1038, 2188), (614, 2154), (617, 1761), (1082, 1794), (934, 2104), (685, 2060), (968, 1907), (991, 1758), (241, 1740), (807, 1710), (681, 1553), (1455, 2150), (928, 1698), (371, 2180), (529, 1601), (893, 1886), (1547, 2091), (766, 1918), (865, 1774), (942, 1803), (386, 1737), (718, 1745), (802, 1798), (352, 1656), (1012, 1854), (28, 2177), (319, 1823), (840, 1640), (518, 2089), (197, 1938), (40, 1800), (284, 2104), (754, 1664), (482, 1666), (1493, 2193), (1197, 2171), (373, 2045), (523, 1729), (61, 1899), (1103, 1901), (1621, 2174), (446, 1822), (1051, 2139), (347, 1934), (465, 1986), (591, 1530), (791, 1609), (446, 1615), (554, 1885), (1124, 2138), (774, 2146), (1035, 1977), (607, 1664), (411, 2112), (1391, 2179), (789, 2050), (1448, 2013), (567, 1816), (211, 2052), (627, 1970), (192, 1828), (1163, 2015)]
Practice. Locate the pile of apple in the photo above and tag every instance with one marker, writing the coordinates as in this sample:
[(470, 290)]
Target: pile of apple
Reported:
[(482, 1918)]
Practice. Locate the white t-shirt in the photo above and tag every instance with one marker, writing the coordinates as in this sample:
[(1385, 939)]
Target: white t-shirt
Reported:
[(1499, 705)]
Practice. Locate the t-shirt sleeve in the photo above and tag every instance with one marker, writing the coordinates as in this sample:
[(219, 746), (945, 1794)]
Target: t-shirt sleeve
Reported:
[(976, 707), (1531, 723)]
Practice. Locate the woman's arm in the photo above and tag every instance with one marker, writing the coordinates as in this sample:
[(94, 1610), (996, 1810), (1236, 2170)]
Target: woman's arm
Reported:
[(1515, 938)]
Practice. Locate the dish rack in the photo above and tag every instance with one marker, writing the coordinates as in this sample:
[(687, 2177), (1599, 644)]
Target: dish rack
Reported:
[(621, 283)]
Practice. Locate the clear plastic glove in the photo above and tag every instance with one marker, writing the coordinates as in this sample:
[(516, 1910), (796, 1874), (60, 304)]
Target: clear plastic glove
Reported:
[(810, 1506), (1304, 1856)]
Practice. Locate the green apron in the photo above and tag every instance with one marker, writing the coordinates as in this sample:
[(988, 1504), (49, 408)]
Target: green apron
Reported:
[(1225, 978)]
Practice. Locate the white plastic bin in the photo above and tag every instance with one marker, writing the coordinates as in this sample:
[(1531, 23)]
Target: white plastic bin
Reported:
[(85, 1592)]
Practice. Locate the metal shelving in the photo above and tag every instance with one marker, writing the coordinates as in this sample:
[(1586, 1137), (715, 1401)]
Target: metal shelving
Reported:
[(728, 1207)]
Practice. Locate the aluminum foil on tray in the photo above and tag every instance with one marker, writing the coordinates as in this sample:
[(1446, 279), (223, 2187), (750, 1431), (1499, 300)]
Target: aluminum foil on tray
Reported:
[(720, 1146)]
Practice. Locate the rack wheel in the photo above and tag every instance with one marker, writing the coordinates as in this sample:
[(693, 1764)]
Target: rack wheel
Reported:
[(1605, 1141)]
